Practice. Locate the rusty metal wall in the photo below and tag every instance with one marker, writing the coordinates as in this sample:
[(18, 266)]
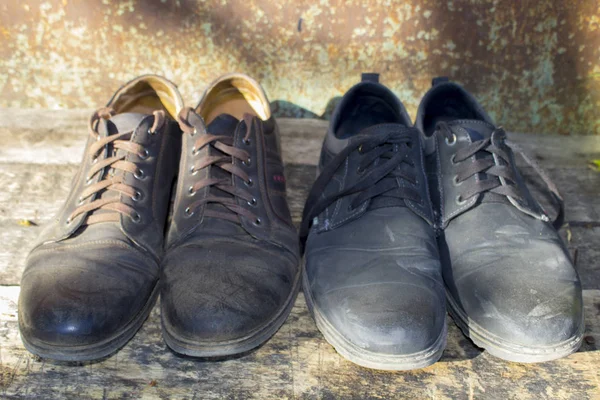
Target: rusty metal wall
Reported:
[(533, 63)]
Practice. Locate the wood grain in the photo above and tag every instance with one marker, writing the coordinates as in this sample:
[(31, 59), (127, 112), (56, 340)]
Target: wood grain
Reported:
[(39, 153)]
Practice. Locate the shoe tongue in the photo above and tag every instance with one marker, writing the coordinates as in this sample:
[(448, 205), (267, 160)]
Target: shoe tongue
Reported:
[(223, 125), (480, 130), (477, 129), (120, 123), (124, 122)]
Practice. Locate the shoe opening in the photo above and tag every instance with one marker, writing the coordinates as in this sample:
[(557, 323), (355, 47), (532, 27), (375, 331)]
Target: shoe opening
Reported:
[(147, 94), (236, 95), (448, 102), (365, 105)]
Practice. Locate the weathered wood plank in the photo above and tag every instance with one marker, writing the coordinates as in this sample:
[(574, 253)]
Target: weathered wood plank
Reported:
[(296, 363), (39, 152), (57, 137)]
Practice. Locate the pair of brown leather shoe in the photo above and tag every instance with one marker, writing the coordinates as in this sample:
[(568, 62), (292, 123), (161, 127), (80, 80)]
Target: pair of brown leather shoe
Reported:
[(227, 259)]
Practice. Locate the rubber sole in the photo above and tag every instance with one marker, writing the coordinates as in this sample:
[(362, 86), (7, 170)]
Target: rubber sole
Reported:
[(368, 359), (233, 347), (97, 350), (510, 351)]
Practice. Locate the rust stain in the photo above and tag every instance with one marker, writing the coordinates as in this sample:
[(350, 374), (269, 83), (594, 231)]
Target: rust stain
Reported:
[(533, 64)]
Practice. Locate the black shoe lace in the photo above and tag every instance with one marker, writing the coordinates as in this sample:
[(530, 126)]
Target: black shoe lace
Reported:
[(497, 172), (384, 160)]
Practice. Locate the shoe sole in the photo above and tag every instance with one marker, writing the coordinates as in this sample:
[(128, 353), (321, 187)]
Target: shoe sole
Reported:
[(510, 351), (97, 350), (369, 359), (232, 347)]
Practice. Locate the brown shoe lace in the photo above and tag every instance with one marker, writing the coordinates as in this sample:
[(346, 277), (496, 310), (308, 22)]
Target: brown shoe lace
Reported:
[(225, 162), (112, 182)]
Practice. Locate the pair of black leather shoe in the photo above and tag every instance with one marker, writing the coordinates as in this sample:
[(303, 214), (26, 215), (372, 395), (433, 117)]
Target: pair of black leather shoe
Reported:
[(227, 262), (403, 218), (400, 219)]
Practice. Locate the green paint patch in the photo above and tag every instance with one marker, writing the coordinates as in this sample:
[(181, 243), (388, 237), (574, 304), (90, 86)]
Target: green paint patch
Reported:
[(595, 165)]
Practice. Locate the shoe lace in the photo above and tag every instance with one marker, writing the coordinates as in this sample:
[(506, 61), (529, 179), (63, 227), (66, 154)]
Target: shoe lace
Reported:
[(385, 159), (224, 160), (497, 172), (102, 163)]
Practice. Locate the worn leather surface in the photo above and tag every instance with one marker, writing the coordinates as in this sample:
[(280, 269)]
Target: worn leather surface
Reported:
[(224, 280), (374, 274), (508, 271), (84, 284)]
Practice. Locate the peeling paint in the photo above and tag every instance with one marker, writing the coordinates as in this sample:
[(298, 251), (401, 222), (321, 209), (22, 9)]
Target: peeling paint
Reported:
[(534, 65)]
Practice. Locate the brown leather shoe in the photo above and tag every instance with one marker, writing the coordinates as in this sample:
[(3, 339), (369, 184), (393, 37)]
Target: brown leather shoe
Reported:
[(91, 280), (231, 270)]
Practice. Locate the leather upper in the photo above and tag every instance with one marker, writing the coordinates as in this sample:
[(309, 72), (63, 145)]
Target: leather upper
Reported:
[(373, 271), (504, 264), (226, 276), (83, 283)]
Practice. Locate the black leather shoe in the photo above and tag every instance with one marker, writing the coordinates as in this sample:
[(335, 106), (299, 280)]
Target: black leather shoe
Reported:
[(372, 272), (91, 280), (511, 285), (231, 273)]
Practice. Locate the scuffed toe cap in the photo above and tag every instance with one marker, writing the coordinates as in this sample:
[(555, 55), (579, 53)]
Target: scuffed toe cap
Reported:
[(223, 292), (523, 307), (386, 318), (81, 299)]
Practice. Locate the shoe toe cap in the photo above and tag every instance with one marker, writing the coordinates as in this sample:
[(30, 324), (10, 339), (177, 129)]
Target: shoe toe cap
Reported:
[(385, 318), (218, 294), (524, 306), (80, 301)]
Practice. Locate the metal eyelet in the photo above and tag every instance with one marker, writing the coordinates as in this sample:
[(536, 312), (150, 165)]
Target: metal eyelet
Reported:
[(145, 154), (253, 202), (453, 142), (94, 160), (150, 132), (249, 182), (257, 221), (88, 180), (80, 200), (459, 200), (188, 212), (359, 171), (455, 181), (194, 132), (191, 191), (68, 221), (453, 159), (139, 174), (247, 162), (136, 217), (137, 196), (246, 141), (360, 149), (194, 150)]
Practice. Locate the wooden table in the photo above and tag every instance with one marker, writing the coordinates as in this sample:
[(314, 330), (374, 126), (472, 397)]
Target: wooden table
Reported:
[(39, 152)]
